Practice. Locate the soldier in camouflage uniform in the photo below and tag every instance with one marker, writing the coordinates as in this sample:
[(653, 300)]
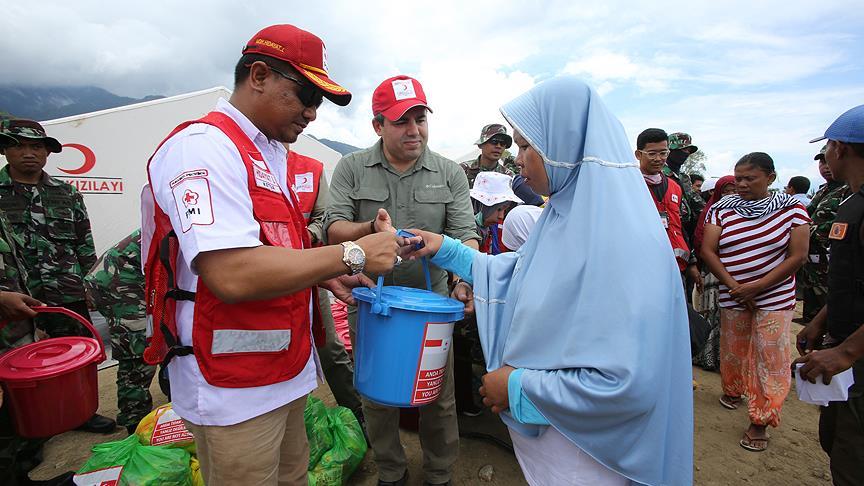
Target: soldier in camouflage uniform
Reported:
[(50, 220), (116, 288), (680, 147), (813, 276), (17, 456), (492, 142)]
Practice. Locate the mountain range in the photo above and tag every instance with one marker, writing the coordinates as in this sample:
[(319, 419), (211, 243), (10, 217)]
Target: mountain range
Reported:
[(47, 103)]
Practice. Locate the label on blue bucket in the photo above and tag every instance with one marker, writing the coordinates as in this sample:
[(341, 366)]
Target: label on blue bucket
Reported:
[(437, 340)]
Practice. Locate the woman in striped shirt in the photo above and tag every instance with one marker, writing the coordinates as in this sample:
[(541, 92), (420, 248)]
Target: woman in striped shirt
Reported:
[(754, 242)]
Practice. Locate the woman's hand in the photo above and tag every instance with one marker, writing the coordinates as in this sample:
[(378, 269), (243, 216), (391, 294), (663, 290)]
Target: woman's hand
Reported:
[(494, 389), (696, 277), (746, 292), (431, 244)]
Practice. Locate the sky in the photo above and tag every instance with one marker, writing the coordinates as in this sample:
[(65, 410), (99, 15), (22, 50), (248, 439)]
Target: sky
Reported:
[(739, 76)]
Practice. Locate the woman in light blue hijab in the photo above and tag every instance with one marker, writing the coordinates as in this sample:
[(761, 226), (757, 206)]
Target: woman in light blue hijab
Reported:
[(584, 328)]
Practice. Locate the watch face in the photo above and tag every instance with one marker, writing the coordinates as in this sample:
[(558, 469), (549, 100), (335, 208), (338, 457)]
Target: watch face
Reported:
[(356, 256)]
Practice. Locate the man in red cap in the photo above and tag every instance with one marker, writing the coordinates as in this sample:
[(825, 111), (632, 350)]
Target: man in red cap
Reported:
[(420, 189), (232, 296)]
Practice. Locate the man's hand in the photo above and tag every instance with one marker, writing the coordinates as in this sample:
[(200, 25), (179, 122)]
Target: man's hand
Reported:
[(16, 306), (494, 389), (341, 286), (465, 294), (381, 250), (809, 338), (383, 223), (825, 362), (695, 276)]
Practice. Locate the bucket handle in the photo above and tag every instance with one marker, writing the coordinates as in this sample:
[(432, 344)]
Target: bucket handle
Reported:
[(45, 309), (383, 309)]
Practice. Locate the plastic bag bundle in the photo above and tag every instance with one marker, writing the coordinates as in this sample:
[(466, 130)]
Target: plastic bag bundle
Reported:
[(317, 429), (349, 447), (127, 462)]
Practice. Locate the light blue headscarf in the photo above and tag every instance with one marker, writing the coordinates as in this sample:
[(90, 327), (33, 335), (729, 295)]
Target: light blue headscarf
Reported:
[(592, 305)]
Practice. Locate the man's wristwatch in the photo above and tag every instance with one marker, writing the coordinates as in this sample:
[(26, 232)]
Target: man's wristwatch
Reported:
[(353, 256)]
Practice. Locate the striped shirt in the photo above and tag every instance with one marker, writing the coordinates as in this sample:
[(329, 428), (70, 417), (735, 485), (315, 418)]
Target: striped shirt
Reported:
[(750, 248)]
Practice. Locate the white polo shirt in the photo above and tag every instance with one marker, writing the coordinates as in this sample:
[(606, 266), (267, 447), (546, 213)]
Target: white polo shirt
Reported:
[(222, 218)]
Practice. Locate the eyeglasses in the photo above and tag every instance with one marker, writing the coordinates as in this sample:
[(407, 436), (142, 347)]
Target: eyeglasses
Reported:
[(309, 94), (498, 142), (655, 154)]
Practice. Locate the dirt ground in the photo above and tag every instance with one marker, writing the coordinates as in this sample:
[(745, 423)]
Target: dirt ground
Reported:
[(793, 456)]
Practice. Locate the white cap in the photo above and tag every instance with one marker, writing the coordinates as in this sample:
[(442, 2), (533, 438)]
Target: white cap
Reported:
[(491, 188), (709, 184)]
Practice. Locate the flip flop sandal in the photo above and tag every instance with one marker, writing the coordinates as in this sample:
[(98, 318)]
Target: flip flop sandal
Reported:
[(729, 402), (749, 443)]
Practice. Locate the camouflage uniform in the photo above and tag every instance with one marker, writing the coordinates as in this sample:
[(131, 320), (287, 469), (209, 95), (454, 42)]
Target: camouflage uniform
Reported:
[(473, 168), (116, 287), (813, 276), (50, 220), (692, 205), (13, 278)]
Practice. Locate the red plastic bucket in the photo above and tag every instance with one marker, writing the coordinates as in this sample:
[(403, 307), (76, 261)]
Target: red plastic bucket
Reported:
[(50, 386)]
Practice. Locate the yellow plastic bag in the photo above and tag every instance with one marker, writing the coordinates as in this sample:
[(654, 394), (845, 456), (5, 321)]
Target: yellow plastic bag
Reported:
[(163, 427), (195, 467)]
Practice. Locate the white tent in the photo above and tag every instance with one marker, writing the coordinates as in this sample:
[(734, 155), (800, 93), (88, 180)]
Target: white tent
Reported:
[(468, 156), (105, 155)]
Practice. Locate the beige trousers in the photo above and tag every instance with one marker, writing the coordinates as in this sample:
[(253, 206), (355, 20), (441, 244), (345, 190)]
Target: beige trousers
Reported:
[(267, 450)]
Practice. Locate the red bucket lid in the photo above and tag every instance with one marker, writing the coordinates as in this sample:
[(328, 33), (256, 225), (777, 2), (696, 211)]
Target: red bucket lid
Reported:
[(47, 358)]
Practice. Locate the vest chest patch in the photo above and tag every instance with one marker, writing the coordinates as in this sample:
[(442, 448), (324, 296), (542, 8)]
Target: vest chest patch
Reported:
[(838, 231), (304, 182), (266, 180), (674, 198)]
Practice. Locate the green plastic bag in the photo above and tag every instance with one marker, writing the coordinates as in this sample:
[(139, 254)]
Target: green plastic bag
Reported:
[(141, 465), (317, 429), (349, 448)]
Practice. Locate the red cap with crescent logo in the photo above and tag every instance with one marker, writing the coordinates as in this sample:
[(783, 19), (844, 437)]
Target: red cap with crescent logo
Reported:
[(302, 50), (396, 95)]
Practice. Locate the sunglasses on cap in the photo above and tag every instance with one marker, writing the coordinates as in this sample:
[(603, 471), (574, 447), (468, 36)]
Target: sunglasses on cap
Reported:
[(309, 94), (498, 141)]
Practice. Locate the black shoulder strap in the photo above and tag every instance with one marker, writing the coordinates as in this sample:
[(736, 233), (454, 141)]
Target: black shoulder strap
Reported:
[(659, 190), (165, 258), (172, 341)]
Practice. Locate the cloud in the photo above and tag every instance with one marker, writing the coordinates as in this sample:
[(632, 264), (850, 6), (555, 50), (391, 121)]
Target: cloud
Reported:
[(739, 75)]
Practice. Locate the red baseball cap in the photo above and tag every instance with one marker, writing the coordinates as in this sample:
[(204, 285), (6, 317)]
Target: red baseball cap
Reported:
[(302, 50), (396, 95)]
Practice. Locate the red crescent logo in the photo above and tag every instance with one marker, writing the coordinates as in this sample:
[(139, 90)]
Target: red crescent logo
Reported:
[(89, 159)]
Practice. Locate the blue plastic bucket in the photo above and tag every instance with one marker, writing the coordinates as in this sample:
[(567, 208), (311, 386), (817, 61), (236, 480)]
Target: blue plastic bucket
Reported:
[(402, 341)]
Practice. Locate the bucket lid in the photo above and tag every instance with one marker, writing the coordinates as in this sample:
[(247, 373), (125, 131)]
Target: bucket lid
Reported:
[(48, 358), (409, 298)]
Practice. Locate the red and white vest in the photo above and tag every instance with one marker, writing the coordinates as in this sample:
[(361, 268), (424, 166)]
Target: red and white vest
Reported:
[(239, 345), (305, 173), (668, 203)]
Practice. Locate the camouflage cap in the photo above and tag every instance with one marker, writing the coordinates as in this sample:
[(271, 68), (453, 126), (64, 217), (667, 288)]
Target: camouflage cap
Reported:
[(681, 140), (17, 129), (494, 130), (821, 154)]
